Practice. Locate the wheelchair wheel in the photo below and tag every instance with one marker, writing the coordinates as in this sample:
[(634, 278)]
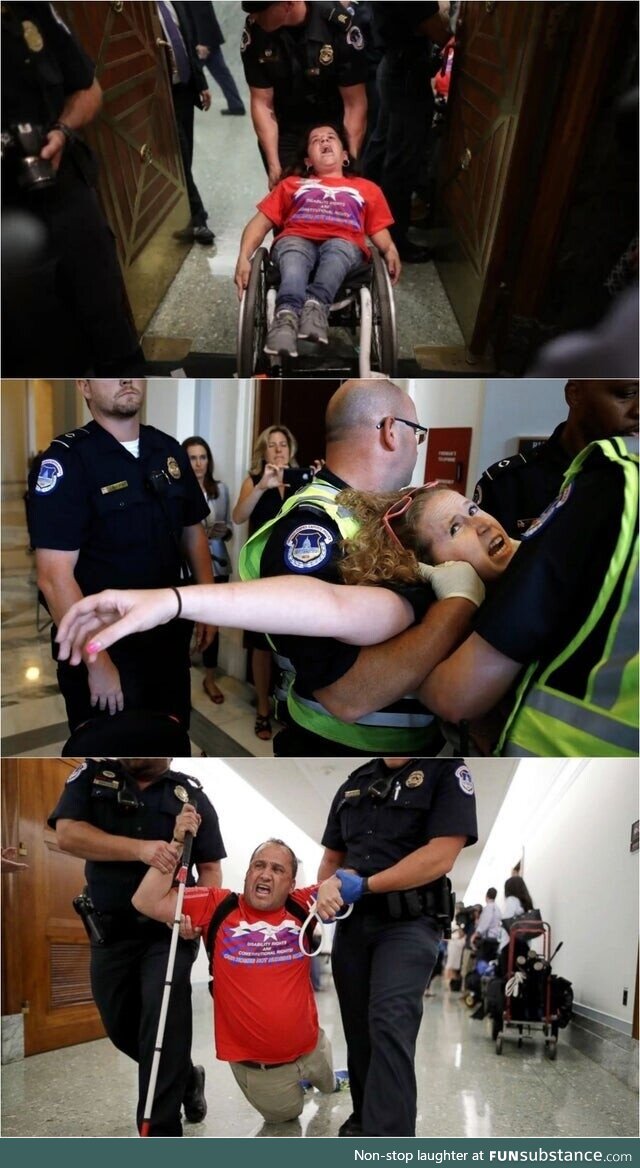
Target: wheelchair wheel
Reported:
[(252, 319), (384, 340)]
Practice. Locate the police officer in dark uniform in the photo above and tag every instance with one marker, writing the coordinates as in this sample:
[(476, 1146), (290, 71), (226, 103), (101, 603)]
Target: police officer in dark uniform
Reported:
[(120, 815), (400, 823), (518, 489), (116, 504), (304, 62), (566, 608), (64, 304)]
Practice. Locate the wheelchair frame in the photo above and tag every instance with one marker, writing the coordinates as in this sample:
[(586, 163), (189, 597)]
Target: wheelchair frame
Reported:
[(367, 310)]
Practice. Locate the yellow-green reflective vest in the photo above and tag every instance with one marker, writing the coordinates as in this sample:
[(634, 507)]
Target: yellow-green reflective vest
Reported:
[(546, 722), (397, 731)]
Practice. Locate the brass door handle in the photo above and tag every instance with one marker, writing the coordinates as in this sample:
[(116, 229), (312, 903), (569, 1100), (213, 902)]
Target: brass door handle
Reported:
[(161, 43), (146, 154), (465, 159)]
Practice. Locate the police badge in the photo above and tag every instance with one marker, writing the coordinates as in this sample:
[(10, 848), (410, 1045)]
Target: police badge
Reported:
[(326, 55)]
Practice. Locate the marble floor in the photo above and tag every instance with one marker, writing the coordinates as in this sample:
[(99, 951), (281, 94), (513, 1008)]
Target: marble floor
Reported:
[(201, 305), (463, 1088), (33, 713)]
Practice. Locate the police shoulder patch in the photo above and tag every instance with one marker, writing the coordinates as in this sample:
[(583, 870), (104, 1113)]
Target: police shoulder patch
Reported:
[(308, 547), (49, 476), (192, 782), (465, 782), (541, 522), (505, 464), (355, 37), (245, 39), (77, 772)]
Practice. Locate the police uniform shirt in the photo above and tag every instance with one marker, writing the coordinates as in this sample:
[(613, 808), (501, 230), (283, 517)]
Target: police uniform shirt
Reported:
[(92, 794), (551, 585), (42, 64), (307, 65), (425, 799), (307, 542), (517, 490), (124, 514)]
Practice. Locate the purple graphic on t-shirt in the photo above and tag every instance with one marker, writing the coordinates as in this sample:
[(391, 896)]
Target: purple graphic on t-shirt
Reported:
[(261, 943), (313, 202)]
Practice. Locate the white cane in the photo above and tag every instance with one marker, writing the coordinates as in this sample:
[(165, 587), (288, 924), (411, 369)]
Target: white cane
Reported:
[(175, 933)]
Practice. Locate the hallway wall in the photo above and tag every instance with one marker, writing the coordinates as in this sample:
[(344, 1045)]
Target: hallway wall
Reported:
[(585, 879), (514, 409)]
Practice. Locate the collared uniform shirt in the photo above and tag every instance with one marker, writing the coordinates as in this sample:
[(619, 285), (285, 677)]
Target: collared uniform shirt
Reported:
[(426, 798), (91, 794)]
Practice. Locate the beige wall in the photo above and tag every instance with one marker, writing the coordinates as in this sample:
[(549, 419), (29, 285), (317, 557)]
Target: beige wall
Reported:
[(14, 438)]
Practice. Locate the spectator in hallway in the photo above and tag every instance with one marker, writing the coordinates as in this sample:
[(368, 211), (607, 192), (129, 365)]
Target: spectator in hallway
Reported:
[(188, 90), (209, 49)]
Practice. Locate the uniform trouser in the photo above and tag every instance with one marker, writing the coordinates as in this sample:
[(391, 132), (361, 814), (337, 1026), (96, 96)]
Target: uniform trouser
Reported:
[(127, 979), (66, 309), (396, 148), (381, 969), (184, 111), (154, 674)]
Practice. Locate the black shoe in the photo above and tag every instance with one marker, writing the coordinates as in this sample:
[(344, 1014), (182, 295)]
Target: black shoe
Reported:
[(410, 253), (194, 1102), (239, 113), (203, 234), (191, 233), (350, 1127)]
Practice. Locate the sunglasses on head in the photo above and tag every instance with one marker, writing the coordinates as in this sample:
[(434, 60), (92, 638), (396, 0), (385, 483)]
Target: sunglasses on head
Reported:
[(401, 506)]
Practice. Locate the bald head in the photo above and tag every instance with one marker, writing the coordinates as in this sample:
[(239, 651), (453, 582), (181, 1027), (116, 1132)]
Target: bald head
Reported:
[(358, 405), (367, 445)]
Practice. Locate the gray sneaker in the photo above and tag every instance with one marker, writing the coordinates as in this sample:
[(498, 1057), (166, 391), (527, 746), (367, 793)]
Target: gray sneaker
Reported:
[(283, 334), (314, 322)]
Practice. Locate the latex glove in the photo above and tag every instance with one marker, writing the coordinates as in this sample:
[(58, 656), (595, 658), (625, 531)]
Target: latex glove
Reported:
[(454, 578), (351, 885)]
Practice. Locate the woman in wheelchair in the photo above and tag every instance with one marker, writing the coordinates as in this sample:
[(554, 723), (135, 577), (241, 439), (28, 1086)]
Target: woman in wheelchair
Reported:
[(324, 218), (426, 534)]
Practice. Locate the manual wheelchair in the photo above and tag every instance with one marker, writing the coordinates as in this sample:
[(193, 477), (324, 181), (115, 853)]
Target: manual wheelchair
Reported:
[(364, 308)]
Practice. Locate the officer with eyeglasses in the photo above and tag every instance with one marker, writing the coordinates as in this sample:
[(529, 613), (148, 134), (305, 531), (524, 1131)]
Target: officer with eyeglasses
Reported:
[(119, 815), (372, 438), (393, 833)]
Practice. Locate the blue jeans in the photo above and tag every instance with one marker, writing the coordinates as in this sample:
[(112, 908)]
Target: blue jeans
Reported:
[(296, 258), (219, 70)]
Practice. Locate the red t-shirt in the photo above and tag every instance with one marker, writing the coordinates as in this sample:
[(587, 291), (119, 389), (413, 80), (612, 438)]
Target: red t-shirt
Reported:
[(328, 208), (264, 1008)]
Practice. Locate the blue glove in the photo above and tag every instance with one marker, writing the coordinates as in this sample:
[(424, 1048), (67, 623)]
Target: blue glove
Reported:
[(351, 886)]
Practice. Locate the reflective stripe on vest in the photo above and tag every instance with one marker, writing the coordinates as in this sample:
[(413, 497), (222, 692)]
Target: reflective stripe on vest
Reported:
[(544, 720), (400, 731), (381, 731)]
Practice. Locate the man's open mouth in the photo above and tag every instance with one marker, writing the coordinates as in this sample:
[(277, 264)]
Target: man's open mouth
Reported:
[(263, 889)]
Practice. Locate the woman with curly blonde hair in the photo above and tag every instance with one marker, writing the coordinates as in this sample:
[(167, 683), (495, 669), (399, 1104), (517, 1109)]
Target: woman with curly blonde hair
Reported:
[(401, 535)]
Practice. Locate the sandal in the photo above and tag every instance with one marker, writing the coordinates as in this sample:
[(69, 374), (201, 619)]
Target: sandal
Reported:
[(217, 697), (263, 727)]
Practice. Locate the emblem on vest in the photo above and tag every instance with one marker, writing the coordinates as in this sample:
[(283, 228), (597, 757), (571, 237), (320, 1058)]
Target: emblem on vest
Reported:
[(307, 548)]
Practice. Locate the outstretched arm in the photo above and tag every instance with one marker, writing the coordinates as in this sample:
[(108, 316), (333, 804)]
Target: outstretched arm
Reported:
[(282, 604)]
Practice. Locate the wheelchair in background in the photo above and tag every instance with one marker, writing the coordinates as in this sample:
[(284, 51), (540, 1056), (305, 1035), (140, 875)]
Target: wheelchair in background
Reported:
[(364, 308)]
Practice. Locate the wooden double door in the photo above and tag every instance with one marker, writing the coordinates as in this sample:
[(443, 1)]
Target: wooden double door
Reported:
[(45, 950), (141, 181)]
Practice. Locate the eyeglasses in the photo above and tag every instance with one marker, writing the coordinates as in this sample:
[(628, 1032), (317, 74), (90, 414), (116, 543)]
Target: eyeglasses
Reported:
[(402, 505), (419, 431)]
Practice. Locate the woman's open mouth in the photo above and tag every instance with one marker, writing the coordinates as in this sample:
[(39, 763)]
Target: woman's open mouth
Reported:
[(497, 546)]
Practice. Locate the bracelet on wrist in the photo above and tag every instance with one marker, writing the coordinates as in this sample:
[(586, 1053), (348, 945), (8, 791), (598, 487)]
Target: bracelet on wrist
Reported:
[(179, 599)]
